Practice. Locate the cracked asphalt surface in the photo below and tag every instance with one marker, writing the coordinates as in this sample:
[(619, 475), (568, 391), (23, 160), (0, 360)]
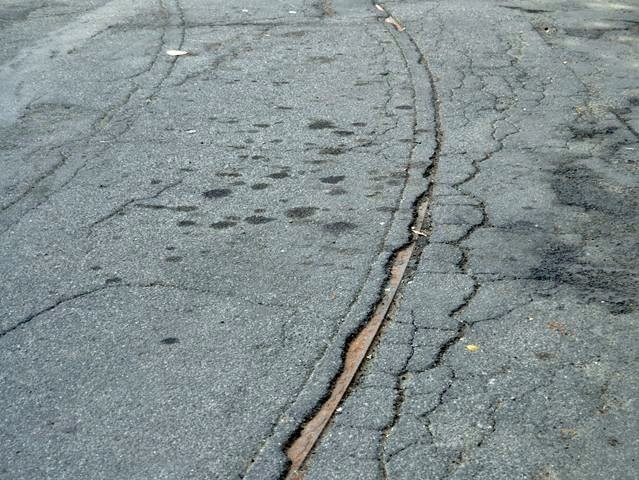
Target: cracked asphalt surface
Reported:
[(190, 243)]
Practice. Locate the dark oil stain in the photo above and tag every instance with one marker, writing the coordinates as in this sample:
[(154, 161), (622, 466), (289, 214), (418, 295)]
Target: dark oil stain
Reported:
[(217, 193), (154, 181), (343, 133), (337, 191), (112, 280), (404, 107), (358, 124), (262, 125), (331, 151), (338, 228), (170, 340), (544, 355), (258, 219), (187, 169), (228, 174), (185, 208), (301, 212), (238, 183), (186, 223), (278, 175), (333, 179), (173, 259), (169, 248), (321, 59), (284, 107), (222, 224), (320, 124), (257, 157), (298, 34), (252, 131), (242, 157), (259, 210), (277, 140), (361, 83)]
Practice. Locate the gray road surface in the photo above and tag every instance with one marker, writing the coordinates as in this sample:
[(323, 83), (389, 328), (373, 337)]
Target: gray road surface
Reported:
[(189, 243)]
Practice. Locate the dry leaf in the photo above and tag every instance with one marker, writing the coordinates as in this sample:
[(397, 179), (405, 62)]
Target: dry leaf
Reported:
[(419, 232), (472, 347), (379, 7), (176, 53), (394, 23)]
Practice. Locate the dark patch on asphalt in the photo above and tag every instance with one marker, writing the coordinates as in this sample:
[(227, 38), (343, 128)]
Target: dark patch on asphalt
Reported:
[(186, 223), (562, 264), (228, 174), (359, 124), (527, 10), (258, 219), (321, 59), (338, 228), (343, 133), (331, 151), (221, 225), (333, 179), (404, 107), (301, 212), (587, 132), (544, 355), (173, 259), (95, 268), (260, 186), (262, 125), (320, 124), (217, 193), (179, 208), (170, 340), (278, 175), (112, 280), (581, 187)]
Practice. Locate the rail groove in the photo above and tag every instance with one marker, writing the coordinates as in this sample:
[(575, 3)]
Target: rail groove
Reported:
[(402, 266)]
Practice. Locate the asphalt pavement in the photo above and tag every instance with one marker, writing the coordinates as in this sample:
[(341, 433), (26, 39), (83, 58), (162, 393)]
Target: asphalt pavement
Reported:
[(202, 203)]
